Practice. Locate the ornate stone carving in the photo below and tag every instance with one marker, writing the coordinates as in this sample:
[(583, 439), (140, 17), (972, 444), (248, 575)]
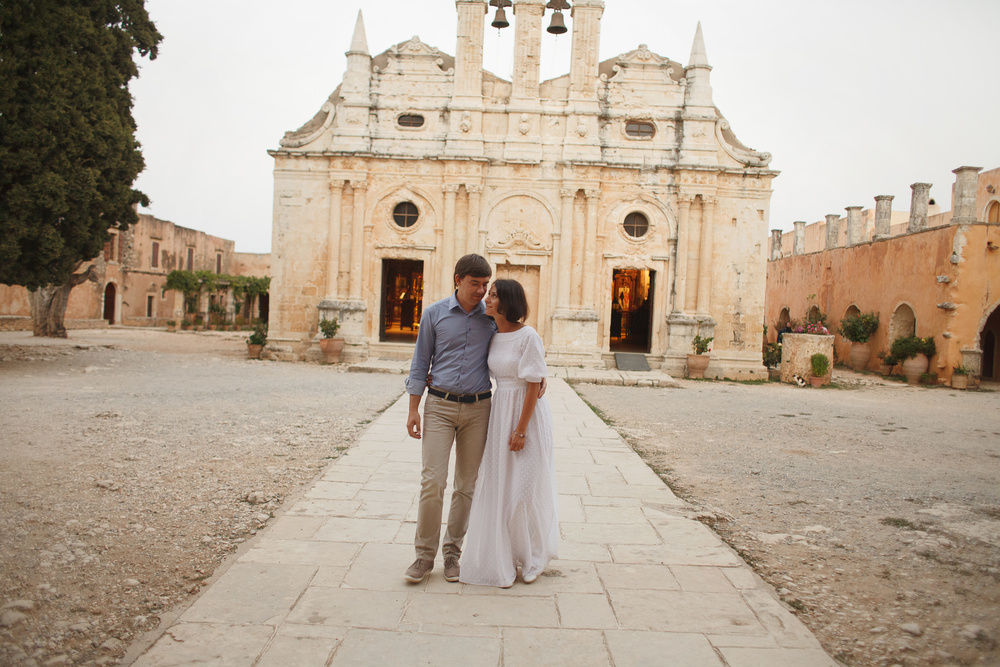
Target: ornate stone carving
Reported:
[(466, 123), (747, 156), (581, 129), (525, 125), (450, 188), (295, 139), (519, 237)]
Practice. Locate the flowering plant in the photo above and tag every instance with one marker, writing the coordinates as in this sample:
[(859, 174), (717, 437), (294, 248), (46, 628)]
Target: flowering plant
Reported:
[(810, 328)]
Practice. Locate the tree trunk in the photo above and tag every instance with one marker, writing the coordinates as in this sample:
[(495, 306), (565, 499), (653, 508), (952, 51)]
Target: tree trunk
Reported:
[(48, 305)]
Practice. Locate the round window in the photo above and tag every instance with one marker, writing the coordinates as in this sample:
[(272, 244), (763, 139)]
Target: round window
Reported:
[(405, 214), (636, 225)]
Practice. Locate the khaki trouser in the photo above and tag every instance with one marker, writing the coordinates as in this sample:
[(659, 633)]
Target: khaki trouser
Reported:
[(445, 422)]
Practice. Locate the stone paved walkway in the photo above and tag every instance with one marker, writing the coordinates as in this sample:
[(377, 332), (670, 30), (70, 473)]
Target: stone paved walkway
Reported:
[(636, 583)]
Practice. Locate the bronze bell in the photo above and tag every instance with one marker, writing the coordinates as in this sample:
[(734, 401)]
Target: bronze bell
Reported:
[(558, 26), (500, 20)]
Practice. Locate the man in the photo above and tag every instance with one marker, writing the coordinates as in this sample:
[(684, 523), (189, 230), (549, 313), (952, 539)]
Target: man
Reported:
[(454, 336)]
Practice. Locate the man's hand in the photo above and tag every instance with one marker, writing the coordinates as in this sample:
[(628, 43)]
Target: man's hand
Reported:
[(413, 424)]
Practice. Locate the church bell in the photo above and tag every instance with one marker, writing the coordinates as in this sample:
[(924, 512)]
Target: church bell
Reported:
[(557, 26), (500, 20)]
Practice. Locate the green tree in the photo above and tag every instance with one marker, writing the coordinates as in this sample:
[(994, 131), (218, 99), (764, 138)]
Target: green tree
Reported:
[(68, 154)]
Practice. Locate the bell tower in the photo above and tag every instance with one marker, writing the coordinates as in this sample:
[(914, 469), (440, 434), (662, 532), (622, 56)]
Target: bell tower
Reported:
[(465, 129)]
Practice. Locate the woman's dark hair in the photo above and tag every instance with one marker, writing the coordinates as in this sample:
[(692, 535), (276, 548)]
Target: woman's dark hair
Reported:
[(473, 265), (513, 304)]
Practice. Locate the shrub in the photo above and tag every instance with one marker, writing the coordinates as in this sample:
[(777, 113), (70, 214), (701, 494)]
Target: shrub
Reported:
[(259, 335), (887, 358), (820, 364), (960, 370), (907, 347), (700, 345), (772, 355), (329, 327), (859, 328)]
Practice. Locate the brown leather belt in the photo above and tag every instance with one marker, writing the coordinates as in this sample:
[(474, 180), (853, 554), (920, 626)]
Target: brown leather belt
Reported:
[(459, 398)]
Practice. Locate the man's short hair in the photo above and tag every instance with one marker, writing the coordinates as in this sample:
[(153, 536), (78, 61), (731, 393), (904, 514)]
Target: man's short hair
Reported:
[(513, 304), (473, 265)]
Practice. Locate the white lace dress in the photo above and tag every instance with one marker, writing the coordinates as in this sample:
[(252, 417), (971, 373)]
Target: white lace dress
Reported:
[(513, 521)]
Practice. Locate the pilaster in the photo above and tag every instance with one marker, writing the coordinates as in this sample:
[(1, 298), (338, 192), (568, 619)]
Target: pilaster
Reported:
[(919, 202), (883, 216), (705, 257), (799, 237), (333, 237), (683, 233), (448, 257), (832, 230), (359, 189)]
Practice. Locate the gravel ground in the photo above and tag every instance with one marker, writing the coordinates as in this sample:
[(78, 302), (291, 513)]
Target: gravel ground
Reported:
[(872, 507), (133, 462)]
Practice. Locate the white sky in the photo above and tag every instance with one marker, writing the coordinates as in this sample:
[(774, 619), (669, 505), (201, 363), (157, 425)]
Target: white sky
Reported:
[(854, 99)]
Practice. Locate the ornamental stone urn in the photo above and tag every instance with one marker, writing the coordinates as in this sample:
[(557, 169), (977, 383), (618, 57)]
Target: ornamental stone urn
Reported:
[(697, 363), (861, 353)]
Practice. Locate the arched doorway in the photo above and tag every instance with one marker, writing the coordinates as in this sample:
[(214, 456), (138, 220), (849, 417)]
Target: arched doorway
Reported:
[(109, 302), (988, 339), (632, 310)]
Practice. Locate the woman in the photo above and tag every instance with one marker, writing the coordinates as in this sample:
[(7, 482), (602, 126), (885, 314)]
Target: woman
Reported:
[(513, 521)]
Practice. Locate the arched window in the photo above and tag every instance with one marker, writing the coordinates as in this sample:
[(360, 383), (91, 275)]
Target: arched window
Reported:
[(853, 311), (411, 120), (783, 318), (993, 213), (639, 129), (636, 225), (405, 214)]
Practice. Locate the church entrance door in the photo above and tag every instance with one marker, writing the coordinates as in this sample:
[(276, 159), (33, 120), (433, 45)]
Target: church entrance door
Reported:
[(109, 303), (402, 299), (631, 310)]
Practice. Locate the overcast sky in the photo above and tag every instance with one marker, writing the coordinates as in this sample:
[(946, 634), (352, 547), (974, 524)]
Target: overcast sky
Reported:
[(854, 99)]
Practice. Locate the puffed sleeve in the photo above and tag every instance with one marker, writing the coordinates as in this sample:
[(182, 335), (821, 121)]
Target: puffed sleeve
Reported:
[(531, 367)]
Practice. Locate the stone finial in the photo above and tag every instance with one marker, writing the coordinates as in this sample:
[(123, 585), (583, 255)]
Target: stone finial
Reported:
[(964, 197), (855, 225), (918, 206), (698, 56), (799, 238), (775, 244), (883, 216), (359, 43), (832, 230)]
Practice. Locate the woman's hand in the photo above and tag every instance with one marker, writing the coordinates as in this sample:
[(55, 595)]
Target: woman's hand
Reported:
[(516, 441)]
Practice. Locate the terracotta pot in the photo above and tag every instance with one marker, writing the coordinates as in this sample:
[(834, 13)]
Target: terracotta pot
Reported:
[(914, 367), (816, 381), (332, 348), (959, 381), (253, 351), (697, 363), (860, 354)]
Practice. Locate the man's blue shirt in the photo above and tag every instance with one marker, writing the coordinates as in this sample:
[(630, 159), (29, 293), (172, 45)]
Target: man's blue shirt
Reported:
[(454, 346)]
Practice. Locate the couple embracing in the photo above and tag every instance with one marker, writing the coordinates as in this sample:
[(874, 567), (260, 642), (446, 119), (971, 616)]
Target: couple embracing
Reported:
[(503, 440)]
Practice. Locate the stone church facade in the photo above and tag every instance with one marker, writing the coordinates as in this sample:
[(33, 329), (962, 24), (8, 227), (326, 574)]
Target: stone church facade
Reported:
[(617, 193)]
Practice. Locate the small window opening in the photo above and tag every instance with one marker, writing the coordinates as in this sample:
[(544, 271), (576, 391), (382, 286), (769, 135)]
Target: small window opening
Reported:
[(155, 259), (411, 120), (636, 225), (405, 214), (635, 128)]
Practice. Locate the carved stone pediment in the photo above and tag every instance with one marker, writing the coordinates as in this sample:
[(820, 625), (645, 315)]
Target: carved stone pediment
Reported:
[(640, 62), (414, 56)]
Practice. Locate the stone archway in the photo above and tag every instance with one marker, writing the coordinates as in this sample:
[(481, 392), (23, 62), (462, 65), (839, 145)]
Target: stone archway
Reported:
[(903, 322), (989, 338)]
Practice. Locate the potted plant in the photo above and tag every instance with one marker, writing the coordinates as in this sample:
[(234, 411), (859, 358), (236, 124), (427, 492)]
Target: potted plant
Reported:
[(859, 329), (914, 353), (772, 359), (886, 362), (960, 377), (256, 341), (698, 362), (332, 347), (171, 325), (820, 364)]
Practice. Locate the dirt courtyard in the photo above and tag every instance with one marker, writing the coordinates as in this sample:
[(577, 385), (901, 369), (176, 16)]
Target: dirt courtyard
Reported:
[(133, 462)]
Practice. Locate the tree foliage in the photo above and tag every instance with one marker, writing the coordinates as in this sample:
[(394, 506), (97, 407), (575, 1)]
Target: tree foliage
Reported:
[(68, 154)]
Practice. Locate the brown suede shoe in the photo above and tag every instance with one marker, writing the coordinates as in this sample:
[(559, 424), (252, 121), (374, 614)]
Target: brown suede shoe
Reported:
[(420, 569), (451, 568)]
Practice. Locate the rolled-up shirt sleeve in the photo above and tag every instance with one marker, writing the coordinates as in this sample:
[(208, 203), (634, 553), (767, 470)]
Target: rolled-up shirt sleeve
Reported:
[(423, 354)]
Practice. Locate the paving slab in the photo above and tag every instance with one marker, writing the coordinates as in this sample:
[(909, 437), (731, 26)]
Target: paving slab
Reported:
[(636, 582)]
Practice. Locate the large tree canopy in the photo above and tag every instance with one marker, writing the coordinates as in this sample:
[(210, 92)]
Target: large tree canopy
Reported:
[(68, 154)]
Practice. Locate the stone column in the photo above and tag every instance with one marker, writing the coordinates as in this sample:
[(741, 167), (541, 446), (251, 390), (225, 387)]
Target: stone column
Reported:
[(705, 256), (564, 252), (832, 230), (590, 250), (799, 238), (964, 205), (683, 229), (448, 256), (918, 206), (461, 227), (775, 244), (357, 237), (346, 245), (883, 216), (527, 48), (333, 237), (473, 242), (855, 226)]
